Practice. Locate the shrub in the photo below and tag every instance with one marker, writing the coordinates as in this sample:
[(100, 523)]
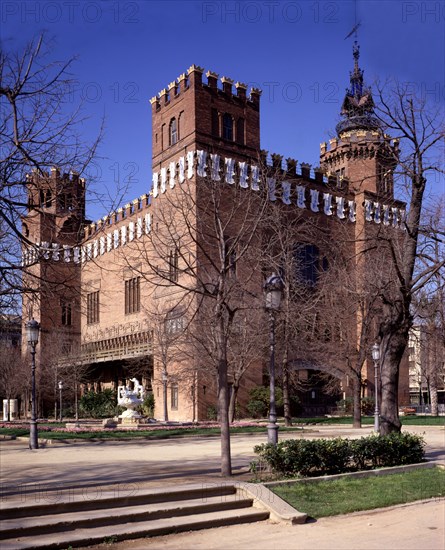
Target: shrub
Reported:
[(212, 412), (98, 405), (148, 405), (256, 408), (368, 405), (332, 456), (258, 405), (345, 407)]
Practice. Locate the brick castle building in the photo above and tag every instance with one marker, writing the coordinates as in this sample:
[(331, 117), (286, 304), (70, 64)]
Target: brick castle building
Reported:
[(117, 294)]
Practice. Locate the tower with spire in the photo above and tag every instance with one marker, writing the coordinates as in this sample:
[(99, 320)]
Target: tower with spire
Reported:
[(361, 156)]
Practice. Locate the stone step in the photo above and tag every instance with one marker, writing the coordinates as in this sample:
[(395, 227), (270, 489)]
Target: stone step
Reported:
[(94, 498), (82, 519), (122, 531)]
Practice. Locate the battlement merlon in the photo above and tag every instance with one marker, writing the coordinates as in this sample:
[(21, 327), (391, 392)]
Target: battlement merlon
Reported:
[(359, 137), (116, 216), (192, 79), (54, 175)]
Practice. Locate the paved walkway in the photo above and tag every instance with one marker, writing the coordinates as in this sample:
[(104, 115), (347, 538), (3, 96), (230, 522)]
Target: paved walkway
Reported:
[(89, 467)]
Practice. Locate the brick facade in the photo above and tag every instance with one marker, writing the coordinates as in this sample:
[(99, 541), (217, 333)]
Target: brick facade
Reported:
[(200, 131)]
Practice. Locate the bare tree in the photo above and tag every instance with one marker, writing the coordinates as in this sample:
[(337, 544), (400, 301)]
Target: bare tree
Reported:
[(37, 132), (15, 373), (420, 130), (246, 350), (201, 250), (169, 326), (287, 233)]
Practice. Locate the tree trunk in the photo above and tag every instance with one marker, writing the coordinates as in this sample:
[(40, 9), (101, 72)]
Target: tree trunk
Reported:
[(76, 403), (232, 404), (433, 397), (223, 397), (394, 343), (286, 397), (357, 410), (226, 462)]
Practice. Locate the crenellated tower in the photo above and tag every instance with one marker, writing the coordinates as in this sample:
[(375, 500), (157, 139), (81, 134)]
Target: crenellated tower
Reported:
[(361, 153), (53, 225), (191, 114)]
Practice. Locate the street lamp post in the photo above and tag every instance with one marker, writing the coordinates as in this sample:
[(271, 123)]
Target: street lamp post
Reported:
[(32, 334), (164, 391), (273, 289), (376, 358), (60, 400)]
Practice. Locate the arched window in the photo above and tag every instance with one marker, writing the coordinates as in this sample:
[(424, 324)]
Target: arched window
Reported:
[(228, 127), (173, 131), (180, 123)]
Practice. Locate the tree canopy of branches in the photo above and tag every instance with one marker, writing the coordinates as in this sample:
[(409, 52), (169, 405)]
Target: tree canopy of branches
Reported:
[(200, 256), (420, 129), (37, 132)]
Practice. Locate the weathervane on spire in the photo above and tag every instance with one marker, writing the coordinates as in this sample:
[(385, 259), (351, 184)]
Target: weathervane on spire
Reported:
[(358, 106), (354, 31)]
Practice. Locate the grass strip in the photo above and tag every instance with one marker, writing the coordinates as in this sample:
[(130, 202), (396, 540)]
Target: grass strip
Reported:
[(131, 434), (369, 420), (343, 496)]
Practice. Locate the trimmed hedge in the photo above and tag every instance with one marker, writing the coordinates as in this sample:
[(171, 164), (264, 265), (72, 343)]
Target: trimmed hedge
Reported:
[(304, 457)]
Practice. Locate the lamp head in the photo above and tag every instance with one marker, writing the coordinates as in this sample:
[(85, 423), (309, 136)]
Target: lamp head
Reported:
[(376, 352), (32, 331), (273, 290)]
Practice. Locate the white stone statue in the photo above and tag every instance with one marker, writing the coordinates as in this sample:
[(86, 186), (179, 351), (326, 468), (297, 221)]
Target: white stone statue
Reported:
[(130, 399)]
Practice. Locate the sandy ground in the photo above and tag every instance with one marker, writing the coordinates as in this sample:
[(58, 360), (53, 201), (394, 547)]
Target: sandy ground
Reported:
[(407, 527), (94, 466)]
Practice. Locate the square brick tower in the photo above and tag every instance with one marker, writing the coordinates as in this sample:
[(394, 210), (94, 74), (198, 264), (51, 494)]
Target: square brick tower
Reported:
[(191, 115)]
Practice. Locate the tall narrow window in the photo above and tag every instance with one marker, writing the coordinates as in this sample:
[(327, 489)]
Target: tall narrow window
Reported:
[(173, 131), (173, 264), (132, 295), (340, 174), (307, 260), (93, 307), (48, 199), (228, 127), (163, 136), (174, 397), (66, 314)]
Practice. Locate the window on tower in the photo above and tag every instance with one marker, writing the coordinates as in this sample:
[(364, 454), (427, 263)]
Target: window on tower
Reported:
[(228, 127), (173, 131)]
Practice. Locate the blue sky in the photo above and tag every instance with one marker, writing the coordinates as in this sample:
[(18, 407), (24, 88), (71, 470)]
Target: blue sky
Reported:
[(295, 51)]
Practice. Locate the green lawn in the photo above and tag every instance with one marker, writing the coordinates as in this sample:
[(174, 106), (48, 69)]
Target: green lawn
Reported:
[(346, 495), (369, 420), (161, 433), (148, 434)]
